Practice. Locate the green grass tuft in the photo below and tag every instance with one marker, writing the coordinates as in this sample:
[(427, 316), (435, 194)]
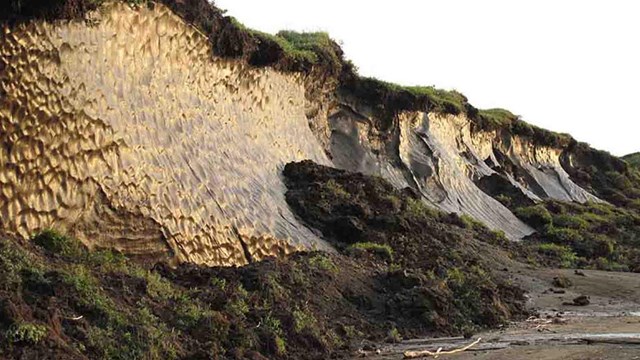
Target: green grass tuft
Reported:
[(384, 251), (58, 243), (26, 332)]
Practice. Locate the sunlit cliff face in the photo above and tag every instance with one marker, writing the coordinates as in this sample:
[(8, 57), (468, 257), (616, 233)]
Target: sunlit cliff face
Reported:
[(126, 132), (441, 157)]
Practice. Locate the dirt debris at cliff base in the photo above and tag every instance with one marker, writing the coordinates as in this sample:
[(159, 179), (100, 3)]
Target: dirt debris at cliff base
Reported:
[(59, 298)]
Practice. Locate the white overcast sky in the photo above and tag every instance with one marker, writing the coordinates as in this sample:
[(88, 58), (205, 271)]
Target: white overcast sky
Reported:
[(568, 66)]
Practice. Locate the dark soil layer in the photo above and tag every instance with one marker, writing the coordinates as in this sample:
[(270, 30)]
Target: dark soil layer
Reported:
[(323, 61), (438, 277), (402, 270), (315, 54)]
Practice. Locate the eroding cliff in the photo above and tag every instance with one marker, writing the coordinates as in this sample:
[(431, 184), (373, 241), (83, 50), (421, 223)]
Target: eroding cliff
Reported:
[(124, 130), (127, 133), (444, 159)]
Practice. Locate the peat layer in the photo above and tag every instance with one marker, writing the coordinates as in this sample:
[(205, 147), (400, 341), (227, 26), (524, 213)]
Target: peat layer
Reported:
[(160, 129), (161, 138), (400, 270)]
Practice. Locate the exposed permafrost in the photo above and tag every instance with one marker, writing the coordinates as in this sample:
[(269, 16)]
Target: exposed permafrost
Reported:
[(442, 158), (131, 124), (127, 133)]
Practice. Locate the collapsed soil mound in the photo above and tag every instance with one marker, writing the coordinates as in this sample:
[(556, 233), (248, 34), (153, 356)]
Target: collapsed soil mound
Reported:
[(434, 264), (401, 270)]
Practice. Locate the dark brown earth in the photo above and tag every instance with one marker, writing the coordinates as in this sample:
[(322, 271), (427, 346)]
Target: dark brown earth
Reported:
[(607, 328), (401, 270)]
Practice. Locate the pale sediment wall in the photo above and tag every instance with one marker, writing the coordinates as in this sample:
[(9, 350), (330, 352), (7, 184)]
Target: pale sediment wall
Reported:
[(128, 133), (442, 157)]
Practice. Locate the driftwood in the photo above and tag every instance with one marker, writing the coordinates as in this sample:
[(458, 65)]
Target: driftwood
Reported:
[(612, 340), (435, 354)]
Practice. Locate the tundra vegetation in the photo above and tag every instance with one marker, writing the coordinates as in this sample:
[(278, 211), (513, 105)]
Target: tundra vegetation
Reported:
[(401, 270)]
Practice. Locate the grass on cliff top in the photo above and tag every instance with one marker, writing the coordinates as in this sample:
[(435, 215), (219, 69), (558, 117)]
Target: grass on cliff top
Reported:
[(304, 51), (389, 99)]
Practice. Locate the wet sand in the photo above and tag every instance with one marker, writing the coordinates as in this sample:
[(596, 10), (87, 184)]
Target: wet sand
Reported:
[(607, 328)]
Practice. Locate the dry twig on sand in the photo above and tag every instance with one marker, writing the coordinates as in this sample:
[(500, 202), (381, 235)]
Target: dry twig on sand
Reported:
[(435, 354)]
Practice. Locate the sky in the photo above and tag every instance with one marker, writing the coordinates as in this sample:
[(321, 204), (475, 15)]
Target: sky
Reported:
[(568, 66)]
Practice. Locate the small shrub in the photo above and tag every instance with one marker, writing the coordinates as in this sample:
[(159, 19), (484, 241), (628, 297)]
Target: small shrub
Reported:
[(273, 328), (312, 45), (600, 246), (455, 276), (469, 222), (157, 287), (383, 251), (562, 281), (281, 345), (13, 261), (498, 237), (219, 283), (394, 201), (322, 262), (594, 219), (537, 216), (563, 254), (289, 49), (351, 332), (108, 259), (238, 305), (272, 324), (497, 118), (55, 242), (336, 189), (608, 265), (504, 200), (26, 332), (570, 221), (417, 209), (303, 320), (564, 236), (393, 336), (90, 295), (192, 313)]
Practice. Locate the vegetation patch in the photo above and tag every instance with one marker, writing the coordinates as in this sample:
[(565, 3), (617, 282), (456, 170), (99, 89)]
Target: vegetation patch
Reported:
[(591, 235), (434, 268), (26, 333), (383, 251), (632, 159)]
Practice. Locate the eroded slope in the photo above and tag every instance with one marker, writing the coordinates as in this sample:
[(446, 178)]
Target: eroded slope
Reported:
[(132, 129), (127, 132)]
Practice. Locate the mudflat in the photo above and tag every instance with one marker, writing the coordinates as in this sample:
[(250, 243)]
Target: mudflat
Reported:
[(607, 328)]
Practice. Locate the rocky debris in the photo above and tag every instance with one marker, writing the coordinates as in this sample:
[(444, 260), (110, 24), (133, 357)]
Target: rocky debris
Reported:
[(435, 273), (582, 300), (562, 281), (555, 291)]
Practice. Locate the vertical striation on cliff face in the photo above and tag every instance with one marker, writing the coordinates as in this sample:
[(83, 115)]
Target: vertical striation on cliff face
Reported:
[(127, 133), (446, 142), (444, 160)]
